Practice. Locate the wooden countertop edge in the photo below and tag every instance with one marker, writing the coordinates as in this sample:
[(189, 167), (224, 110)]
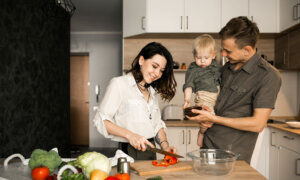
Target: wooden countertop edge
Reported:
[(182, 123), (284, 127), (189, 123), (288, 118)]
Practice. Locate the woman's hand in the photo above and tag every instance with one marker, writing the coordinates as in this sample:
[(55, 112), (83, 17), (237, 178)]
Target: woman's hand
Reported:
[(171, 149), (139, 142)]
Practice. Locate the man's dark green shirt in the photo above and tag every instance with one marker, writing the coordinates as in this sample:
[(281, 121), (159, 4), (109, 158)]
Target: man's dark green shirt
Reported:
[(255, 85)]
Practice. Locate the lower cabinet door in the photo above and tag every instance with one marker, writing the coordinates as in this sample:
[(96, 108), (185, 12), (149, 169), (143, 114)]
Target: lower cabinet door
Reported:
[(191, 140), (177, 138), (288, 165)]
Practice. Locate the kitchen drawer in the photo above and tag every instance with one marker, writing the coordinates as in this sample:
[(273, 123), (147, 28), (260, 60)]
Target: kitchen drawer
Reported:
[(289, 141)]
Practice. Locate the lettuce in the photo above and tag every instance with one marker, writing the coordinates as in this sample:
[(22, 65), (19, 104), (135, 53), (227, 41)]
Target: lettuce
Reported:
[(93, 160)]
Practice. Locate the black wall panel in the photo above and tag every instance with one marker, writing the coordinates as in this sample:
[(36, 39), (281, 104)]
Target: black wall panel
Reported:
[(34, 77)]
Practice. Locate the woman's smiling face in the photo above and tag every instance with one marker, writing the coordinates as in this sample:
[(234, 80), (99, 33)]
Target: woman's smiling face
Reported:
[(153, 68)]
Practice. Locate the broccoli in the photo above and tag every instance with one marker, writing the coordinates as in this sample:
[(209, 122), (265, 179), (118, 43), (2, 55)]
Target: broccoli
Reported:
[(41, 157)]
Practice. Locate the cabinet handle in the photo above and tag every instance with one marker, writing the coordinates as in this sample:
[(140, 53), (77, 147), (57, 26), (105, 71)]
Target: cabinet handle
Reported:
[(183, 136), (298, 12), (187, 22), (180, 22), (273, 139), (295, 12), (289, 138), (189, 136), (284, 57), (143, 20), (297, 167)]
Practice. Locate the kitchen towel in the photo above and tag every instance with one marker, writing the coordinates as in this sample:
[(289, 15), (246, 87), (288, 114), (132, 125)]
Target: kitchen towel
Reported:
[(119, 153)]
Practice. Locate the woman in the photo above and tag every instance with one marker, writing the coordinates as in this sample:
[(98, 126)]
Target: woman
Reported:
[(129, 112)]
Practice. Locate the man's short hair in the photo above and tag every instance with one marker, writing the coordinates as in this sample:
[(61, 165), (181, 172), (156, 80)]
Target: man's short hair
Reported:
[(244, 31)]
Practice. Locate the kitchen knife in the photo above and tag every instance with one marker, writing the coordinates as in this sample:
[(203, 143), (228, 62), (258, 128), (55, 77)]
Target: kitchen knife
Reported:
[(163, 152)]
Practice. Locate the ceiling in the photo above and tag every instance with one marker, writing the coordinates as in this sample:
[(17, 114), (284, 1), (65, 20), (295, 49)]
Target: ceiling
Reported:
[(97, 16)]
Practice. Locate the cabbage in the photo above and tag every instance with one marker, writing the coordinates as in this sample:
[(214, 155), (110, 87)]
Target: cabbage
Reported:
[(93, 160)]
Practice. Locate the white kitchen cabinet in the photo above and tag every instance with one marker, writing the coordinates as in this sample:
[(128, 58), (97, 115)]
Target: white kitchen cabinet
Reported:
[(289, 13), (202, 16), (233, 8), (183, 138), (164, 16), (284, 155), (273, 155), (134, 14), (254, 10), (170, 16), (264, 13), (288, 164)]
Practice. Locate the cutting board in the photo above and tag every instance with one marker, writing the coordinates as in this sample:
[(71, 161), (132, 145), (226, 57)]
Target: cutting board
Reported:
[(146, 167)]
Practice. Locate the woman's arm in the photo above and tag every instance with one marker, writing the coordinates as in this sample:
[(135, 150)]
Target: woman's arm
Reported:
[(137, 141), (161, 139)]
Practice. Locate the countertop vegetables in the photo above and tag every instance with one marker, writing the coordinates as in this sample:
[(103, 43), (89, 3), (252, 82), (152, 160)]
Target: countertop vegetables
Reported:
[(168, 160), (124, 176), (40, 173), (93, 160), (41, 157), (155, 178), (97, 174), (77, 176)]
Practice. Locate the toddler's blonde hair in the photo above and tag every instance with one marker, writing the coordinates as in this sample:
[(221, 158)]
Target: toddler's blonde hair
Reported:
[(204, 42)]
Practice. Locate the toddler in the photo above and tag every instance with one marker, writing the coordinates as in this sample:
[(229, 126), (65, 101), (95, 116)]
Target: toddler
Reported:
[(202, 77)]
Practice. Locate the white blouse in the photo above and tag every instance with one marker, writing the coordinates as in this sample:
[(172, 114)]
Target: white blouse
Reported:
[(124, 105)]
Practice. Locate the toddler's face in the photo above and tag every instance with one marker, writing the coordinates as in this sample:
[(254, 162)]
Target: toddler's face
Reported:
[(204, 58)]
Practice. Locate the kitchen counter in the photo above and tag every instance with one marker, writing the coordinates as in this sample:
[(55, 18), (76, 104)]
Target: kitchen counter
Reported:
[(182, 123), (189, 123), (241, 171), (284, 127)]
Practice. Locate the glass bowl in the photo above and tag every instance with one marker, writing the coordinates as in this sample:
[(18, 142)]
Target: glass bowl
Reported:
[(213, 161)]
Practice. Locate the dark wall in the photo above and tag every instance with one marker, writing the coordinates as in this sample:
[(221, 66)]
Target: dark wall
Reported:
[(34, 77)]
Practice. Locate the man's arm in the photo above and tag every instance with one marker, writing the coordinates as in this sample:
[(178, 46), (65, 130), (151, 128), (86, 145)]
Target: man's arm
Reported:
[(255, 123)]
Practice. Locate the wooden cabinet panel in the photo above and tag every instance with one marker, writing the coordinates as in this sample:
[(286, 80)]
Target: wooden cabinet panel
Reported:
[(294, 50), (287, 54), (281, 52)]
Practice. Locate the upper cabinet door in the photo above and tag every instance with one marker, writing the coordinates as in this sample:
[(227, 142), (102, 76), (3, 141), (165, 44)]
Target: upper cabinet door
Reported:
[(233, 8), (165, 16), (264, 13), (288, 16), (134, 17), (202, 15)]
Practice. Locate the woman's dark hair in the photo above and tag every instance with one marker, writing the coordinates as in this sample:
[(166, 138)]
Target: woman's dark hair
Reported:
[(166, 85), (244, 31)]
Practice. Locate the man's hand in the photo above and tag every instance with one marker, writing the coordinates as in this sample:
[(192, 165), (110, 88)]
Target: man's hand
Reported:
[(205, 118)]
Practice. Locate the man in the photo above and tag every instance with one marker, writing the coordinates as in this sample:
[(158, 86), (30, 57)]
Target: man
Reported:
[(249, 88)]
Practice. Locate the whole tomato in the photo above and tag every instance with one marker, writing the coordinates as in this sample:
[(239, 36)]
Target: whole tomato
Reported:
[(40, 173)]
